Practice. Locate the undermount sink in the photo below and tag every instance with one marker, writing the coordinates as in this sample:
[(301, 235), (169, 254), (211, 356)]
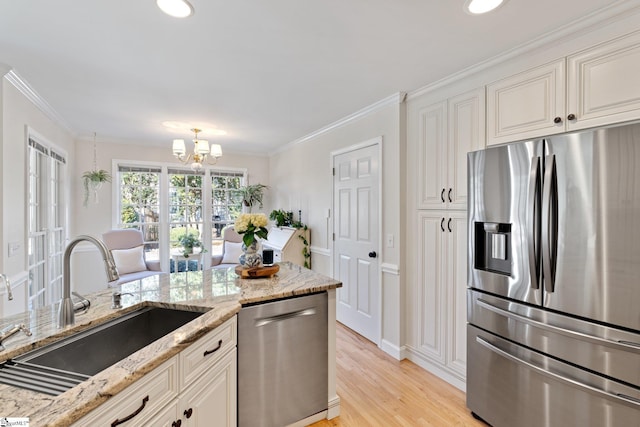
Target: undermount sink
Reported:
[(58, 366)]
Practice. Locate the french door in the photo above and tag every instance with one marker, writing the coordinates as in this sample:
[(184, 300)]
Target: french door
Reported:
[(46, 221)]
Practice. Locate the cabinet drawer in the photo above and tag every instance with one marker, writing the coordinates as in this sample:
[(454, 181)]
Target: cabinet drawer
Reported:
[(207, 350), (151, 393)]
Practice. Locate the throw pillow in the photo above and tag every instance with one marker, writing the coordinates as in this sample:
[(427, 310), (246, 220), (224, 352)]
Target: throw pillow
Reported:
[(232, 252), (129, 260)]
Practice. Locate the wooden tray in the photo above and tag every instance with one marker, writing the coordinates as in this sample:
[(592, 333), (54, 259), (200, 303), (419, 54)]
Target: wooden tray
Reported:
[(256, 272)]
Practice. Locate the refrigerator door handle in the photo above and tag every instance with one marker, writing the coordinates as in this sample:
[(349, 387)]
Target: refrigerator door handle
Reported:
[(624, 345), (550, 223), (533, 222), (571, 382)]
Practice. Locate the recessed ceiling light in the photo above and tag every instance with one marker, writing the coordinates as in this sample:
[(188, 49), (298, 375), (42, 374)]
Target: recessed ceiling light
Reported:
[(176, 8), (477, 7)]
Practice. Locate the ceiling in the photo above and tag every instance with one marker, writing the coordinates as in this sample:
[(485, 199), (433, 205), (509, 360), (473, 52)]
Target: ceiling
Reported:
[(266, 72)]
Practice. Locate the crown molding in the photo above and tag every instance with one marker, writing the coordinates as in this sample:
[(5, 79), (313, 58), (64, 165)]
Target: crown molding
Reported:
[(597, 19), (33, 96), (4, 69), (395, 99)]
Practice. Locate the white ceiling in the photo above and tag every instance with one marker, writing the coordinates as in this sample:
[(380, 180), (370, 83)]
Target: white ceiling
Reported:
[(267, 72)]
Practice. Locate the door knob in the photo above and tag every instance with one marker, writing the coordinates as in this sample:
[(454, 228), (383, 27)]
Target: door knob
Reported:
[(373, 254)]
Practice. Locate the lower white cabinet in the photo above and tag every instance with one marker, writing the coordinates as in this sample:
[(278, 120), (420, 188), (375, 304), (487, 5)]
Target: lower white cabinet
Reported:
[(209, 402), (196, 387), (440, 294)]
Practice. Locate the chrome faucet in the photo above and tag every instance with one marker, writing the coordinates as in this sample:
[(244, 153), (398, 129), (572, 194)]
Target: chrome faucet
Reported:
[(12, 330), (8, 285), (66, 312)]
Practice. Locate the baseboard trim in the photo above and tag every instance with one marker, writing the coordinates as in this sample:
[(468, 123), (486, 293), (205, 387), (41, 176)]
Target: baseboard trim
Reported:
[(334, 408), (435, 369), (393, 350)]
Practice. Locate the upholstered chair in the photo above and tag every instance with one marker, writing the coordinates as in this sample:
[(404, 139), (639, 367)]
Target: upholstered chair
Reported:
[(127, 248), (231, 249)]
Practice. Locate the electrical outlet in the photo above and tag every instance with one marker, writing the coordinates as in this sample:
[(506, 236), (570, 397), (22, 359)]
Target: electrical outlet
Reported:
[(389, 240)]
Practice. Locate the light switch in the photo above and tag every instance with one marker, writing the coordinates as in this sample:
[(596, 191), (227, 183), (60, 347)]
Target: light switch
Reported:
[(14, 247), (389, 240)]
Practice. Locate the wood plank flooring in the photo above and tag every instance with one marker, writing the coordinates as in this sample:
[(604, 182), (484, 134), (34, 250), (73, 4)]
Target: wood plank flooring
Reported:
[(377, 390)]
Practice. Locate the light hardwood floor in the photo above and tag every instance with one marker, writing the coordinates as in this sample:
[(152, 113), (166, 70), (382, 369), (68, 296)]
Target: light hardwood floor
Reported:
[(377, 390)]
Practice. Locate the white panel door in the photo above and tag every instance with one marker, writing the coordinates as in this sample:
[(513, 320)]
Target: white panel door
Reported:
[(356, 198)]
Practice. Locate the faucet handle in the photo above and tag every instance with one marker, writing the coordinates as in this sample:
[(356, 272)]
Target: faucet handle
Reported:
[(24, 329)]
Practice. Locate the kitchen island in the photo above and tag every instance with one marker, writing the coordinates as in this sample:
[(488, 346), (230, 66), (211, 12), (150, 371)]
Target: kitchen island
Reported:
[(220, 294)]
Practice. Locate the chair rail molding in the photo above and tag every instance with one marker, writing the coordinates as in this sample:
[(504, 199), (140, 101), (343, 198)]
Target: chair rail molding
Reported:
[(390, 268)]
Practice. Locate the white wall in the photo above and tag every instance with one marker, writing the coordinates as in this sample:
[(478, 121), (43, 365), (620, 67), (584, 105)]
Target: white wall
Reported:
[(18, 114), (301, 179)]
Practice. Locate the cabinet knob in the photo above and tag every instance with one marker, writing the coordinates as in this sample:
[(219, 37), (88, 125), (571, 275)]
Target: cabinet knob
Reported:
[(188, 413), (571, 117), (557, 120), (176, 423)]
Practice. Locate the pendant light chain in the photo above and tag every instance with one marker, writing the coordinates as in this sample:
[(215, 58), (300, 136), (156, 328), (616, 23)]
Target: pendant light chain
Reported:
[(95, 167)]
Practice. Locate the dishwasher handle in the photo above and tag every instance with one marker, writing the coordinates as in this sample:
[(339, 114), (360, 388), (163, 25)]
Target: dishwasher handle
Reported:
[(280, 317)]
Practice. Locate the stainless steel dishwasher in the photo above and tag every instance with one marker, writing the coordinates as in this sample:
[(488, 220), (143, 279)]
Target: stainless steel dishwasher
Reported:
[(282, 361)]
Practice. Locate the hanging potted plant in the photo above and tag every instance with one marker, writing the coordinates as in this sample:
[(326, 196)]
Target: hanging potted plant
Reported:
[(252, 195), (92, 180)]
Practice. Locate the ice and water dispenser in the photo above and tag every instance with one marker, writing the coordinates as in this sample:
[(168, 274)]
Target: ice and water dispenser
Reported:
[(493, 247)]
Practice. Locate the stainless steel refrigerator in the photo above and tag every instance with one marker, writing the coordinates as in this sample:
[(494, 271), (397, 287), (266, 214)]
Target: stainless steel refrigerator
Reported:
[(554, 281)]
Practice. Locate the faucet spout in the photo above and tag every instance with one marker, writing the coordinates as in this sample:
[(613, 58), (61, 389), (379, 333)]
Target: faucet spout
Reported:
[(8, 286), (66, 312)]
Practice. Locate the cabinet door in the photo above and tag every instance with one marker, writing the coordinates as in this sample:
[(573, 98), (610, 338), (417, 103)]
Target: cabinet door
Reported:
[(466, 133), (456, 285), (604, 83), (432, 156), (430, 318), (211, 401), (527, 105)]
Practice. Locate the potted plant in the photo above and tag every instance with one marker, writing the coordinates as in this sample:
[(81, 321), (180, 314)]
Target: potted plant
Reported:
[(252, 194), (93, 180), (251, 226), (281, 217), (188, 242)]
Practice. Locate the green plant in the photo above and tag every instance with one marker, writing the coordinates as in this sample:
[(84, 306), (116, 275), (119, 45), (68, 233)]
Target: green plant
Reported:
[(252, 194), (189, 240), (282, 218), (95, 179), (306, 250)]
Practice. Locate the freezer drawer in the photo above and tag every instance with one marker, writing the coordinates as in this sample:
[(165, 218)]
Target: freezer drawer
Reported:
[(509, 385), (610, 351)]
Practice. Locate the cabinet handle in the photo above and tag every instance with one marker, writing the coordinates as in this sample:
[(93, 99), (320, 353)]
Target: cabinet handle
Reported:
[(125, 419), (571, 117), (188, 413), (557, 120), (208, 352), (442, 225), (449, 194), (449, 225), (176, 423), (442, 195)]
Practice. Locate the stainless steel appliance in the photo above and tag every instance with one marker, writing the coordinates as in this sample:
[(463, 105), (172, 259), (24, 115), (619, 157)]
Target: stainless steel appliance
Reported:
[(554, 281), (283, 361)]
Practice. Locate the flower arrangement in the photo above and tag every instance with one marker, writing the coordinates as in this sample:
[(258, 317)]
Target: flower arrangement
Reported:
[(250, 226)]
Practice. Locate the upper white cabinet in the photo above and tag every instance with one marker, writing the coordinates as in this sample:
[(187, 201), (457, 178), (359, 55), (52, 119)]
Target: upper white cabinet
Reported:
[(445, 132), (526, 105), (604, 83), (598, 86)]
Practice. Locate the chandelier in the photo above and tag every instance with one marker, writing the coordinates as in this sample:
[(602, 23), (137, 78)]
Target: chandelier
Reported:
[(201, 152)]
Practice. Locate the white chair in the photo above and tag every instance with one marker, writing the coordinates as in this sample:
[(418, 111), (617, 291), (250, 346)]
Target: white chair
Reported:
[(127, 248), (231, 249)]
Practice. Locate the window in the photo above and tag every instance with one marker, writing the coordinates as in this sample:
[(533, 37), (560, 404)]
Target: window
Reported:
[(167, 202), (46, 222), (140, 205), (226, 204)]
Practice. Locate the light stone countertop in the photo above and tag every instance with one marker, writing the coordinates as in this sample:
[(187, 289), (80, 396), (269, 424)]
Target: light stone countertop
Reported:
[(219, 293)]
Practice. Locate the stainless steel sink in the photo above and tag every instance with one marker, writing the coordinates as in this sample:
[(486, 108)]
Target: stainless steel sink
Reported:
[(58, 366)]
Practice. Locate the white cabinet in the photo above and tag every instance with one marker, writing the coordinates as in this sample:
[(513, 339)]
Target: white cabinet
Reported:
[(445, 133), (440, 297), (527, 105), (594, 87), (197, 387)]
